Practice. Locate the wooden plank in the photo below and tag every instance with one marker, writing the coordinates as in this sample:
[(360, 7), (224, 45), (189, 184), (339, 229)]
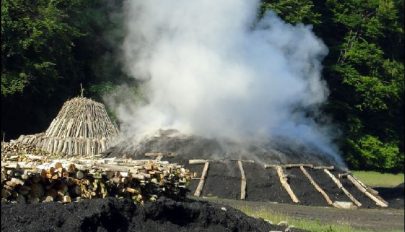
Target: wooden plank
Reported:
[(103, 143), (20, 165), (324, 167), (288, 165), (246, 161), (243, 181), (284, 183), (317, 187), (200, 186), (35, 157), (369, 195), (369, 189), (197, 161), (340, 186), (202, 161)]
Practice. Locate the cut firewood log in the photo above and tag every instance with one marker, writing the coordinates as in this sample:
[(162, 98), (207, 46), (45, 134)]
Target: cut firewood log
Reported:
[(65, 147), (103, 143), (369, 189), (378, 202), (317, 187), (200, 186), (288, 165), (64, 180), (60, 146), (243, 181), (245, 161), (88, 147), (340, 186), (284, 183), (34, 157), (324, 167), (197, 161)]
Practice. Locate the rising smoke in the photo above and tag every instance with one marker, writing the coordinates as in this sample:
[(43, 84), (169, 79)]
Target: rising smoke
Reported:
[(210, 68)]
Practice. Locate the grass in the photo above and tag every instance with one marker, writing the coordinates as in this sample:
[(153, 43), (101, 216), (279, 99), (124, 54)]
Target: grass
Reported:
[(306, 224), (310, 225), (376, 179), (371, 178)]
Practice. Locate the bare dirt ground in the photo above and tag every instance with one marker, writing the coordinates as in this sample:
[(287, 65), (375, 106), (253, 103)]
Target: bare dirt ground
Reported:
[(370, 219)]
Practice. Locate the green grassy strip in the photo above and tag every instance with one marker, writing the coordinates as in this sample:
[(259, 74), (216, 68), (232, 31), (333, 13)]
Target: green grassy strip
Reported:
[(310, 225), (376, 179), (306, 224)]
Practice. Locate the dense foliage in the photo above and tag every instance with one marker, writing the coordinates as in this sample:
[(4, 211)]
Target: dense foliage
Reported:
[(364, 71), (50, 47)]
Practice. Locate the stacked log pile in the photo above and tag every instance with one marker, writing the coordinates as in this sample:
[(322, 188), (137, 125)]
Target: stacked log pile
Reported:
[(12, 149), (82, 127), (67, 180)]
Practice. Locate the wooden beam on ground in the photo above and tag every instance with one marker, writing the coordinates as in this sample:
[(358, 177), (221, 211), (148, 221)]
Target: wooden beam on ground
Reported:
[(200, 186), (246, 161), (340, 186), (284, 183), (379, 202), (243, 181), (197, 161), (288, 165), (324, 167), (340, 175), (317, 187), (202, 161), (370, 190)]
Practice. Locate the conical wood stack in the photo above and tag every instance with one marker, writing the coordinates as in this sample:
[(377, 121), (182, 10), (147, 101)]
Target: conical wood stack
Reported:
[(82, 127)]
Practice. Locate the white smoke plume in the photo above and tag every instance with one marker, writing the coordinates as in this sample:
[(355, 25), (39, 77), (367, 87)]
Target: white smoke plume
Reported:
[(209, 68)]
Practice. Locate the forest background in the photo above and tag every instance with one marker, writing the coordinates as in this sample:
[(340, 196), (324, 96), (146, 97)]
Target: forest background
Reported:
[(50, 47)]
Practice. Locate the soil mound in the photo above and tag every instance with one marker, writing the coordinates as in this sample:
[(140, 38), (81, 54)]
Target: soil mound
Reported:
[(223, 176), (111, 214), (275, 151)]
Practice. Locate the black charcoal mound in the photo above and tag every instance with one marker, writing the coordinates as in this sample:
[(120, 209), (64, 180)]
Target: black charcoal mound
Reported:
[(223, 179), (111, 214), (276, 151)]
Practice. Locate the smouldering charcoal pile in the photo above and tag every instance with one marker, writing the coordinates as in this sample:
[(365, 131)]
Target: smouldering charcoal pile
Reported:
[(64, 180)]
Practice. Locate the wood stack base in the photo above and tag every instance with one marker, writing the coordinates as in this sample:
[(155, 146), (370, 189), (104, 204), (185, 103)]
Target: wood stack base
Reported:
[(68, 180)]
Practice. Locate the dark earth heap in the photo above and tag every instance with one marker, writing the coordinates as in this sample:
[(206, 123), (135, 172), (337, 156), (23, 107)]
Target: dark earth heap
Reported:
[(224, 178), (263, 185), (111, 214), (275, 151)]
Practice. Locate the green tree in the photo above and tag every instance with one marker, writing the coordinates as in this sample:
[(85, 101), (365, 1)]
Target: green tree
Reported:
[(293, 11), (49, 48), (365, 73), (371, 77), (36, 47)]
